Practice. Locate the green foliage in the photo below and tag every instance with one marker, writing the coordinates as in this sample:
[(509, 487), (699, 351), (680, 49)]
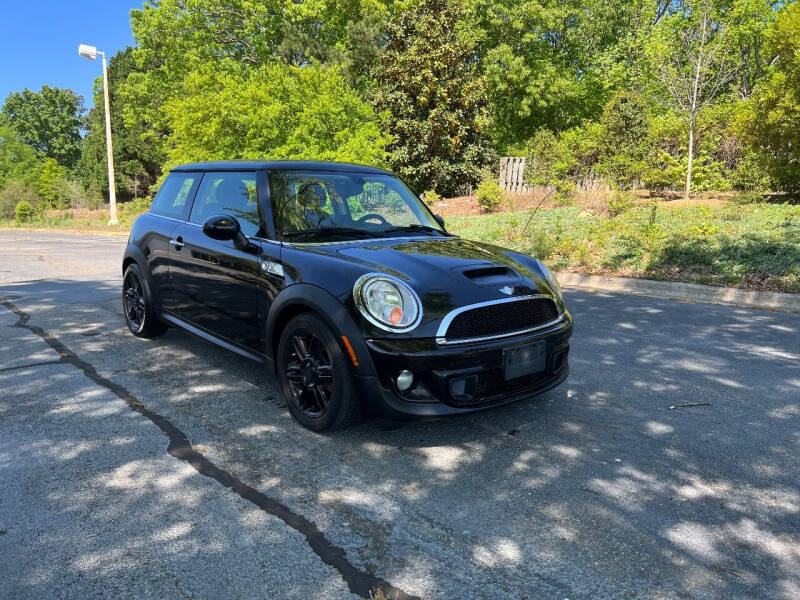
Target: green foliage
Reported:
[(49, 121), (747, 198), (589, 90), (430, 197), (51, 184), (11, 194), (430, 87), (547, 62), (176, 39), (291, 112), (750, 245), (625, 129), (541, 244), (619, 203), (18, 161), (490, 195), (770, 121), (24, 211), (138, 156)]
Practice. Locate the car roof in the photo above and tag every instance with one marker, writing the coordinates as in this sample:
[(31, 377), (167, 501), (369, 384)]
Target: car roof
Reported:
[(279, 165)]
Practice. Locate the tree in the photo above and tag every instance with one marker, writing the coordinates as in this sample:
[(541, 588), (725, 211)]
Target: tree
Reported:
[(138, 157), (276, 111), (177, 39), (693, 65), (49, 120), (770, 120), (553, 64), (625, 130), (434, 98), (52, 183), (18, 161)]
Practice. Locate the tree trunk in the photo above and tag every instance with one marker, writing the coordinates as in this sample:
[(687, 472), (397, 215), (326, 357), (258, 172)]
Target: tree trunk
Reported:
[(691, 158)]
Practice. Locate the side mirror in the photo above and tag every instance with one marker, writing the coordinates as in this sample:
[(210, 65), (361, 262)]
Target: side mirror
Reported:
[(222, 227), (439, 220)]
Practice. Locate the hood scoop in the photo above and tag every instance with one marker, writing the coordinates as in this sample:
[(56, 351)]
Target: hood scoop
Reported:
[(491, 275)]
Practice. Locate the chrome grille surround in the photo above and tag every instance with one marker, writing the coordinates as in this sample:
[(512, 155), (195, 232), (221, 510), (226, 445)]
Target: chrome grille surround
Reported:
[(441, 332)]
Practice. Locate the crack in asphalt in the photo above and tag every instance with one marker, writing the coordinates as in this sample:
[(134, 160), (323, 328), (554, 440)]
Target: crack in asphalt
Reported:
[(32, 365), (358, 581)]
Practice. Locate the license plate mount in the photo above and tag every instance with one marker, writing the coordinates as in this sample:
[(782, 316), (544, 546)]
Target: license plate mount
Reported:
[(527, 359)]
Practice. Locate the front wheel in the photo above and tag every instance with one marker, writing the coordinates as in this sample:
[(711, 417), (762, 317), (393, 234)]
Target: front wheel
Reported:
[(315, 376), (138, 305)]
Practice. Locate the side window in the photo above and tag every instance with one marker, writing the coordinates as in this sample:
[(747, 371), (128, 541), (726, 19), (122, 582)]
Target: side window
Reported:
[(171, 199), (231, 194)]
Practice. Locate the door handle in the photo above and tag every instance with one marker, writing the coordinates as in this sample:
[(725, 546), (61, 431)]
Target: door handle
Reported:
[(178, 243)]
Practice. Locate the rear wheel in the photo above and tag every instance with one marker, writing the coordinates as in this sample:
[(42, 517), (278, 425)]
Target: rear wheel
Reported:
[(138, 305), (315, 375)]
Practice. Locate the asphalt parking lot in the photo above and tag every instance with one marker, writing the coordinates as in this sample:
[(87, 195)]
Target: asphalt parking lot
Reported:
[(169, 468)]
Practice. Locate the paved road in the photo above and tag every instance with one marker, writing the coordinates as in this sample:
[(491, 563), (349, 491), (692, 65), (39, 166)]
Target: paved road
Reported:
[(168, 468)]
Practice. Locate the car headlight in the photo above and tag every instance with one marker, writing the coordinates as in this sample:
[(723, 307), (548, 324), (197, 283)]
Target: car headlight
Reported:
[(551, 279), (387, 302)]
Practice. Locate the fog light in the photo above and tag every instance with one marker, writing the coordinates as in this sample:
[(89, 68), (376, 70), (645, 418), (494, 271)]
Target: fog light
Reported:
[(404, 380)]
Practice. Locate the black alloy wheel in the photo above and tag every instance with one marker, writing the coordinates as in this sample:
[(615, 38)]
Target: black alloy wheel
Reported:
[(133, 300), (137, 304), (315, 375), (310, 374)]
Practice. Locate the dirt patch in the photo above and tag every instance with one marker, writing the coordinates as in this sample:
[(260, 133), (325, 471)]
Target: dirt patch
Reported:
[(463, 206), (594, 200)]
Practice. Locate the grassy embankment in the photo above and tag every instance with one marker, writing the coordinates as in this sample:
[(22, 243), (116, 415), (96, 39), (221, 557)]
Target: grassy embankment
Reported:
[(83, 220), (739, 241), (729, 242)]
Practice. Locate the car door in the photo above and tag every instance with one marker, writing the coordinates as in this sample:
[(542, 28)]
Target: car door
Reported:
[(215, 282), (170, 207)]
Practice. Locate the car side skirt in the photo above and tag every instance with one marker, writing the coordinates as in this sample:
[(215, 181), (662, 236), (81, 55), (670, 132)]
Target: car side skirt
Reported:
[(210, 337)]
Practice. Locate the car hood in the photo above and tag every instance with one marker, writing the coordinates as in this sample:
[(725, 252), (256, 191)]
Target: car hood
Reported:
[(445, 272)]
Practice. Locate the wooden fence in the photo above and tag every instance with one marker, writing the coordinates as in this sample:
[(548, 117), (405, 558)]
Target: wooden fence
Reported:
[(511, 172)]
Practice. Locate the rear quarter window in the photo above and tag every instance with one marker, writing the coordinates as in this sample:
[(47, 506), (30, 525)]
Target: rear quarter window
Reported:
[(174, 197)]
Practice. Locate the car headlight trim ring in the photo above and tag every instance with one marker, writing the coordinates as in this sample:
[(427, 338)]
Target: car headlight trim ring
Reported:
[(387, 302)]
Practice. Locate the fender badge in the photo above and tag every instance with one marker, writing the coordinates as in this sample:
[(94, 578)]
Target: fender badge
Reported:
[(507, 290)]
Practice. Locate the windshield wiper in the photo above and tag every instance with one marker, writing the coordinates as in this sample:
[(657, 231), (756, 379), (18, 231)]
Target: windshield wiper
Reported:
[(416, 227), (335, 230)]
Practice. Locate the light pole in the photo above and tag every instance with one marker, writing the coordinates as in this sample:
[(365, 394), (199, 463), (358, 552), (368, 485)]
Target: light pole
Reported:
[(91, 53)]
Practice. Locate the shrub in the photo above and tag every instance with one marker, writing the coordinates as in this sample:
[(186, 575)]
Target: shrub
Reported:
[(619, 203), (490, 195), (430, 197), (541, 245), (24, 211), (750, 174), (14, 192)]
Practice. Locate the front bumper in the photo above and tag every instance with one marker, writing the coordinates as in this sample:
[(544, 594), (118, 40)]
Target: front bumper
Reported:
[(436, 368)]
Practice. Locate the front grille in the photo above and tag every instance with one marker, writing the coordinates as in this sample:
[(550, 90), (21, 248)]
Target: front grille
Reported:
[(501, 319)]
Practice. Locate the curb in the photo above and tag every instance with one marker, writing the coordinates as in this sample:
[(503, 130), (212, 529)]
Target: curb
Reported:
[(117, 233), (685, 292)]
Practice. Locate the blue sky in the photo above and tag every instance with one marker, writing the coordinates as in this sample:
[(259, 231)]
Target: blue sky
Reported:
[(39, 42)]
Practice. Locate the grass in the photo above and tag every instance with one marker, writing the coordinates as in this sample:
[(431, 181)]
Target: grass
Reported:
[(749, 245), (740, 241), (84, 220)]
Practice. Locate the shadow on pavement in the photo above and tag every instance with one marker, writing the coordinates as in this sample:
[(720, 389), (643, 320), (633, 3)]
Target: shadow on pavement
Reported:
[(596, 489)]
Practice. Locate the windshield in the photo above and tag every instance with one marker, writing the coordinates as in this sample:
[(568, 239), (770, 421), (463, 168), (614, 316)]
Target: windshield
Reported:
[(311, 205)]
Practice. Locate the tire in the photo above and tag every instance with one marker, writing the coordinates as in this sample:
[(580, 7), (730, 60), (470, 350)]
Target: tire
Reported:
[(138, 305), (315, 375)]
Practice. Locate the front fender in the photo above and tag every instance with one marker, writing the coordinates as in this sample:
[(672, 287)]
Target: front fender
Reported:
[(311, 297)]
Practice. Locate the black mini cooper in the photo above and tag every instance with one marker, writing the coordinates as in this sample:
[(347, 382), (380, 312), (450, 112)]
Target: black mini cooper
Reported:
[(340, 277)]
